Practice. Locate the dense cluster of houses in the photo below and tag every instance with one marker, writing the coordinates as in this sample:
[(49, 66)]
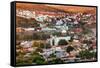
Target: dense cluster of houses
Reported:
[(70, 27)]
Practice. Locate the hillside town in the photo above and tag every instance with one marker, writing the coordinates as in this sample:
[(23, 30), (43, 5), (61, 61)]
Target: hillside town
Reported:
[(51, 35)]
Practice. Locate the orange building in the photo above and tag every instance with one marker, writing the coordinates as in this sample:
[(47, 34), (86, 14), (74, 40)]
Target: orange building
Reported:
[(19, 29)]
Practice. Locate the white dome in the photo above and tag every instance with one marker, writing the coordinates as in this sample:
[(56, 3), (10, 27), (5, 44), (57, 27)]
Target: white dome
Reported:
[(63, 31)]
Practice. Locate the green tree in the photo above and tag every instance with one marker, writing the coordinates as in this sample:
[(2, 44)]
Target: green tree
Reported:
[(39, 50), (52, 55), (69, 48), (57, 61), (87, 54), (62, 42), (38, 59)]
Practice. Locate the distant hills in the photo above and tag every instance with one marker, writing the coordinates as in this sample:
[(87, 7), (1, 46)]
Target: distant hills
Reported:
[(23, 22), (55, 8)]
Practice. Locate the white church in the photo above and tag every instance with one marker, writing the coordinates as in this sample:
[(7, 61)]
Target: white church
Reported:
[(54, 40)]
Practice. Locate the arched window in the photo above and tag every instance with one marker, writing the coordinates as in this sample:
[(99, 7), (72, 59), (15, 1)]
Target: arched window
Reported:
[(53, 42)]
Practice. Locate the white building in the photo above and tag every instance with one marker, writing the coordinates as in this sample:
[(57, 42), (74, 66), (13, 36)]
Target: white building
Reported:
[(48, 29), (55, 40), (29, 29), (26, 44)]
